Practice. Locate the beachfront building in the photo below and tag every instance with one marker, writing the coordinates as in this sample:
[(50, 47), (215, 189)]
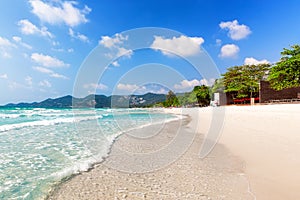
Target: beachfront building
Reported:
[(266, 95), (269, 95)]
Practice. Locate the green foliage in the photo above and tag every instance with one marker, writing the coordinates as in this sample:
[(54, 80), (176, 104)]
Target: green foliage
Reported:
[(203, 95), (188, 98), (218, 86), (243, 81), (286, 73), (171, 100)]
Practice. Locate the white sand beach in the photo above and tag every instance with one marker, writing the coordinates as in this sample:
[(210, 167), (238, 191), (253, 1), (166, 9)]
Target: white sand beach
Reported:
[(256, 157)]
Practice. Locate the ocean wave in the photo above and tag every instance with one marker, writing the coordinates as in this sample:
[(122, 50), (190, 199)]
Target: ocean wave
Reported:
[(82, 165), (8, 127)]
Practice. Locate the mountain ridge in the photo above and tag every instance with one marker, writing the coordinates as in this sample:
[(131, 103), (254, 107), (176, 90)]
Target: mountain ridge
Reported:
[(95, 101)]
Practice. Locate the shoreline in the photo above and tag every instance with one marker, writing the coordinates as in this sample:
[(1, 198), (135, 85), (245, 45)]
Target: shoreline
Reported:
[(106, 181), (67, 178)]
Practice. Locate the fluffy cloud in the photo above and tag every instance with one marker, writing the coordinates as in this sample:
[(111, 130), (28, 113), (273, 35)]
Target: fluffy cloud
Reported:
[(186, 84), (78, 36), (45, 83), (110, 42), (3, 76), (183, 45), (5, 45), (50, 72), (95, 86), (48, 61), (158, 91), (114, 44), (19, 41), (58, 12), (229, 51), (253, 61), (124, 52), (115, 63), (130, 87), (29, 28), (236, 31), (218, 42)]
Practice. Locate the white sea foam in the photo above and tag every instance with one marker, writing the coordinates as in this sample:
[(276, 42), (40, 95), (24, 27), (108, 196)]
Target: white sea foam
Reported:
[(48, 152), (83, 165), (8, 127)]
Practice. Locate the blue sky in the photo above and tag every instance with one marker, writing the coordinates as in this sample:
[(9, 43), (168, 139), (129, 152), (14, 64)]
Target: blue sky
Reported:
[(46, 45)]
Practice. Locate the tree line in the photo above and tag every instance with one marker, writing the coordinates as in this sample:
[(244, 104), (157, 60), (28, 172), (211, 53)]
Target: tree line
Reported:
[(243, 81), (199, 96)]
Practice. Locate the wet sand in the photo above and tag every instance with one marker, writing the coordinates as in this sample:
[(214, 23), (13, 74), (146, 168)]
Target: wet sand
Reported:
[(162, 162)]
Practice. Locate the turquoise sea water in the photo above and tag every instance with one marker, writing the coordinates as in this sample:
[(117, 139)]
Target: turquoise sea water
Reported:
[(40, 147)]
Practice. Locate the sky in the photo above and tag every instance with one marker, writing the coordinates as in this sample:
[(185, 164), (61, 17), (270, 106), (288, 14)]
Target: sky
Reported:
[(52, 48)]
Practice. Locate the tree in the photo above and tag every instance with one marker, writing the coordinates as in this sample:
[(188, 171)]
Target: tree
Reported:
[(171, 100), (218, 86), (203, 95), (243, 81), (286, 72), (188, 98)]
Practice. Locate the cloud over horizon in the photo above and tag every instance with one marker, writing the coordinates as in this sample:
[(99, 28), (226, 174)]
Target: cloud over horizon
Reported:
[(48, 61), (189, 85), (236, 31), (253, 61), (183, 45), (229, 51), (28, 28)]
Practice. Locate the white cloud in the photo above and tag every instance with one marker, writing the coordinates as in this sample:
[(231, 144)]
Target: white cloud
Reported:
[(183, 45), (114, 44), (115, 63), (45, 83), (14, 85), (70, 50), (3, 76), (50, 72), (189, 85), (28, 80), (124, 52), (29, 28), (157, 91), (229, 51), (19, 41), (95, 86), (55, 43), (130, 87), (253, 61), (56, 75), (48, 61), (5, 45), (110, 42), (58, 12), (43, 70), (218, 42), (236, 31), (78, 36)]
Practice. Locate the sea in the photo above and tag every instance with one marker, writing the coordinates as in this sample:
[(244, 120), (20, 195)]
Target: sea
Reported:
[(41, 147)]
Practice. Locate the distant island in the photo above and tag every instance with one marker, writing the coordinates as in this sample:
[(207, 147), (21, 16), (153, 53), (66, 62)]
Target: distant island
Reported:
[(96, 101)]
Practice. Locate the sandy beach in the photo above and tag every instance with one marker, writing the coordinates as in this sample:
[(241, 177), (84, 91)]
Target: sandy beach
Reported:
[(256, 157)]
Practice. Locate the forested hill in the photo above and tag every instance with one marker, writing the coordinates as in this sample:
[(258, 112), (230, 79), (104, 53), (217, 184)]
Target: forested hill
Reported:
[(96, 101)]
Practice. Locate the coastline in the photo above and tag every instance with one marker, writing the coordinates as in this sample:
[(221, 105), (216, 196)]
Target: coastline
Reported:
[(219, 175)]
